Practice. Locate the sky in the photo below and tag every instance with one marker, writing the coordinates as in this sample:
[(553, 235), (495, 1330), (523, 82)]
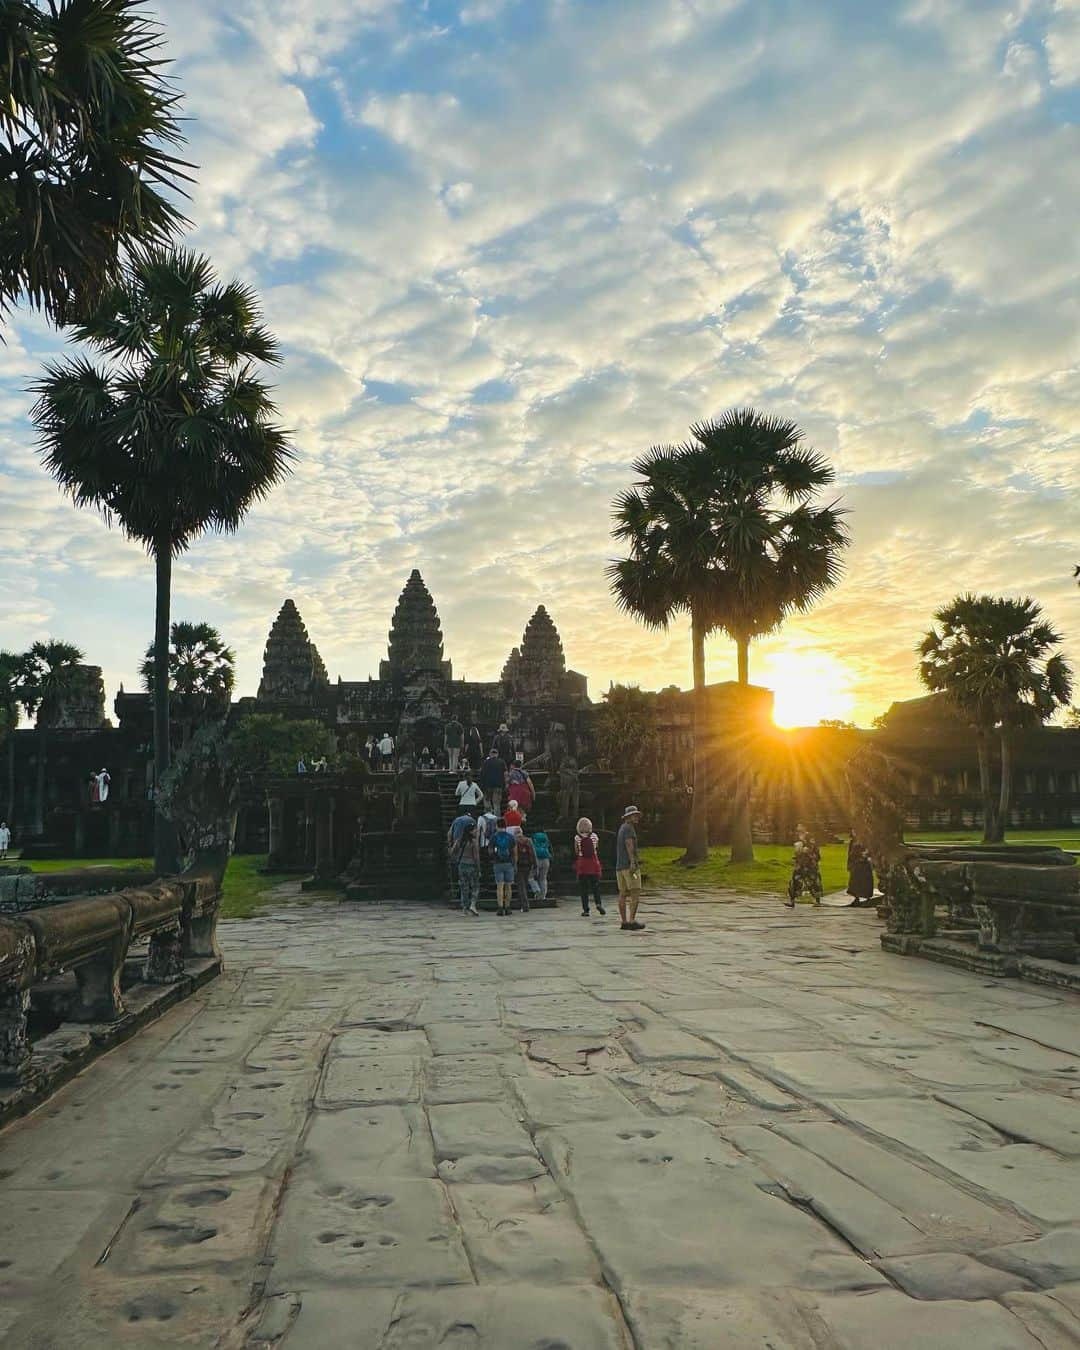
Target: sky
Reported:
[(508, 245)]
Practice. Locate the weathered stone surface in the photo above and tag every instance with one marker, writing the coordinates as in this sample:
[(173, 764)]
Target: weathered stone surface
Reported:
[(1054, 1028), (1048, 1320), (463, 1129), (889, 1321), (468, 1038), (947, 1068), (705, 1319), (388, 1232), (649, 1196), (364, 1043), (562, 1101), (1055, 1125), (201, 1225), (464, 1078), (514, 1235), (370, 1141), (820, 1074), (1046, 1261), (479, 1169), (950, 1275), (390, 1079)]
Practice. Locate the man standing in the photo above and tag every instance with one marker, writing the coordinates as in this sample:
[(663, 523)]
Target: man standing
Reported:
[(5, 838), (386, 751), (493, 779), (503, 744), (470, 795), (453, 740), (628, 869)]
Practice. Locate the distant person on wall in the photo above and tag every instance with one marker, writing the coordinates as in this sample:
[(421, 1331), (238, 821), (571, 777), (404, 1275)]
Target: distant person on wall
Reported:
[(465, 855), (371, 753), (524, 865), (628, 869), (542, 848), (301, 765), (469, 793), (426, 760), (503, 744), (860, 873), (99, 787), (453, 742), (386, 752), (587, 867), (806, 869), (519, 786), (493, 779), (504, 860), (5, 838)]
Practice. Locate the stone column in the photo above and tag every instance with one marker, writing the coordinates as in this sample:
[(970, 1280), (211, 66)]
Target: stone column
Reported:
[(14, 1041), (165, 959), (324, 837), (275, 808)]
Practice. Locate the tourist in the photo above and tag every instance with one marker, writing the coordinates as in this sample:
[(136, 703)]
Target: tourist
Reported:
[(462, 826), (523, 868), (503, 744), (426, 761), (453, 741), (493, 779), (487, 825), (469, 793), (806, 869), (542, 848), (386, 752), (474, 748), (514, 817), (319, 765), (519, 786), (5, 838), (370, 752), (860, 873), (301, 767), (504, 861), (466, 857), (628, 869), (587, 867)]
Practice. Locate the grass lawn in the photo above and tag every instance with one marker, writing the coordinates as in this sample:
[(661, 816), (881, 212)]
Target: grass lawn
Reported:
[(770, 871), (244, 891)]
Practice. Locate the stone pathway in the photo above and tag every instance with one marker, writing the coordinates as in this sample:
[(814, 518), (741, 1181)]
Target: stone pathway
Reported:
[(390, 1127)]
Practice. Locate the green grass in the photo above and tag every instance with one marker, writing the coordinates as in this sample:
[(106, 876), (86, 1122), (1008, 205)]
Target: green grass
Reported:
[(770, 871), (243, 893)]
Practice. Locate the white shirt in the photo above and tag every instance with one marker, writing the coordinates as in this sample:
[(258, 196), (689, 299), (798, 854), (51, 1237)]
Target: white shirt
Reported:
[(469, 794), (386, 745), (5, 836)]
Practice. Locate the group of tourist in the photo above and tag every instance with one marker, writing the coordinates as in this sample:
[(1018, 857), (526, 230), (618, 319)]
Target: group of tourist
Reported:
[(806, 870), (461, 749)]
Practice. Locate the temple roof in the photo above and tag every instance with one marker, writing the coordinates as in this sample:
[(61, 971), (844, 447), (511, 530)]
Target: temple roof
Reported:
[(415, 640), (292, 667), (541, 644)]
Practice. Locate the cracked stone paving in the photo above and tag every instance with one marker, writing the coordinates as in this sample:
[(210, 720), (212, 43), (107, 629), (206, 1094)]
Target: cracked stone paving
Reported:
[(390, 1126)]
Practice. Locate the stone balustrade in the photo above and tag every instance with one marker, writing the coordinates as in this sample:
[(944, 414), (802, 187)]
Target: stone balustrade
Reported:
[(90, 937)]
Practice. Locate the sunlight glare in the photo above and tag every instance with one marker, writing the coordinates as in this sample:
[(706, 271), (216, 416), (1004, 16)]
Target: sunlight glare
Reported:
[(810, 685)]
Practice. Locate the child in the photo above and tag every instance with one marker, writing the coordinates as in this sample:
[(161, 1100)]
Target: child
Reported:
[(542, 848), (587, 865), (504, 860)]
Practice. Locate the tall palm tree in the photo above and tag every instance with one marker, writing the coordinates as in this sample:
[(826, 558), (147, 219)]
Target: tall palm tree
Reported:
[(993, 658), (723, 528), (202, 672), (172, 436), (46, 673), (86, 121), (10, 700)]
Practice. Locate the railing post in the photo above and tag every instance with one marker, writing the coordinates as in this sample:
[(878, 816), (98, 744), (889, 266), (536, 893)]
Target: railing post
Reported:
[(14, 1041), (165, 959)]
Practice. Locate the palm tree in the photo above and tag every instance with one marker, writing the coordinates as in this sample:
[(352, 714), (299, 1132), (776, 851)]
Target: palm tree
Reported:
[(172, 436), (10, 701), (86, 119), (993, 659), (201, 676), (728, 519), (45, 678)]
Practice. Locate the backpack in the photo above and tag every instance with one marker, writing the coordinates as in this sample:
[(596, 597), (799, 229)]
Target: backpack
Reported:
[(588, 848), (463, 842), (541, 845), (504, 845)]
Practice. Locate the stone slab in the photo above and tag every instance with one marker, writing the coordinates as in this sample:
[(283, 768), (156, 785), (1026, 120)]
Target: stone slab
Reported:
[(389, 1232), (1051, 1121), (1054, 1028), (465, 1078), (821, 1074), (468, 1038), (1046, 1261), (205, 1224), (487, 1128), (562, 1101), (703, 1319), (957, 1068), (950, 1275), (372, 1043), (369, 1141), (888, 1320), (389, 1080), (514, 1236)]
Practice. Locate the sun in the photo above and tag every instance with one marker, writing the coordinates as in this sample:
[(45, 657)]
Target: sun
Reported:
[(810, 685)]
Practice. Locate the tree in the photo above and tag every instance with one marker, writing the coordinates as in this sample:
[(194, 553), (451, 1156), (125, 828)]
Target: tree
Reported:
[(268, 745), (86, 122), (201, 676), (626, 731), (724, 529), (1072, 718), (993, 658), (45, 677), (10, 700), (172, 436)]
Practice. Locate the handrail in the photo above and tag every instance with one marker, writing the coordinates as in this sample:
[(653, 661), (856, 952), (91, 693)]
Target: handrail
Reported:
[(91, 937)]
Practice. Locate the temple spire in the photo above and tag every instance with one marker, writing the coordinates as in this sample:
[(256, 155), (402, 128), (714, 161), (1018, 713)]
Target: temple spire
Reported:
[(536, 671), (415, 643), (293, 670)]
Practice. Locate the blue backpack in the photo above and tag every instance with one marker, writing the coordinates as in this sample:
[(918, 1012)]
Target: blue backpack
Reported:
[(542, 844), (503, 844)]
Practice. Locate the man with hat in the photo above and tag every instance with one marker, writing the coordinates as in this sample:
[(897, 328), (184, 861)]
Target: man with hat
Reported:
[(503, 744), (628, 869)]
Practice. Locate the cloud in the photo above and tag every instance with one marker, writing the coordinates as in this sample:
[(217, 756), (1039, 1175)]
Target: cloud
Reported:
[(508, 246)]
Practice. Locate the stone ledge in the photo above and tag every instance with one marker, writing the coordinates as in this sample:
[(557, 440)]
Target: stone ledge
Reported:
[(1056, 973), (65, 1052)]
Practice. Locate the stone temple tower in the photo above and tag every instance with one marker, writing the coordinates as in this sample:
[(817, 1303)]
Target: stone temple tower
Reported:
[(293, 670), (535, 672), (416, 643)]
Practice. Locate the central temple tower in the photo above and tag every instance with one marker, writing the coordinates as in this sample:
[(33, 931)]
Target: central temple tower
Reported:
[(416, 642)]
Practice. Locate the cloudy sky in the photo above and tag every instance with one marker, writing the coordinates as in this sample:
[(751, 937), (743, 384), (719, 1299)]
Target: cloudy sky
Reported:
[(509, 244)]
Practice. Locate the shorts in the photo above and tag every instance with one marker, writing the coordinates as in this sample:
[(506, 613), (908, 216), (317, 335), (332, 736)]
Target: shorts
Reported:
[(505, 873), (629, 879)]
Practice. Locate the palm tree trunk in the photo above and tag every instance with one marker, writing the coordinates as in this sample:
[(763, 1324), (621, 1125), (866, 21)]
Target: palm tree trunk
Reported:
[(165, 852), (1005, 797), (742, 833), (986, 790), (697, 847)]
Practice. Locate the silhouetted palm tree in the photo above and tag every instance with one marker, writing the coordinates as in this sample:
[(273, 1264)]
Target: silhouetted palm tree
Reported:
[(86, 122), (45, 678), (993, 658), (724, 529), (173, 436), (201, 676)]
